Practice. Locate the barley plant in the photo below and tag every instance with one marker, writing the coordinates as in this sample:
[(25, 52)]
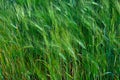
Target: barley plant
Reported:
[(59, 39)]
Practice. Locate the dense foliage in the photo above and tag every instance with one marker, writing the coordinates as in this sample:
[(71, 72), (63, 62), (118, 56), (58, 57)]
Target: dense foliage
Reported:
[(59, 39)]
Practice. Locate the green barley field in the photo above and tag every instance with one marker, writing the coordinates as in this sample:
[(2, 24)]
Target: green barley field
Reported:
[(59, 39)]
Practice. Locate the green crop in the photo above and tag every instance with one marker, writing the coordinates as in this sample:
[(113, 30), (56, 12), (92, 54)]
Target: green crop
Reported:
[(59, 39)]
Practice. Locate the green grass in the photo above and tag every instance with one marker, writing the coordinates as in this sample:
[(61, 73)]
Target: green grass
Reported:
[(59, 39)]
